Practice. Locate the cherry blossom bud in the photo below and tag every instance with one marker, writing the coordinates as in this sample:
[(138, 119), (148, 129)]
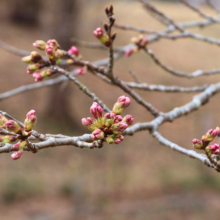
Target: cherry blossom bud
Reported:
[(129, 52), (211, 134), (128, 120), (54, 44), (119, 138), (98, 134), (214, 146), (49, 50), (30, 120), (98, 32), (31, 68), (118, 118), (103, 38), (37, 76), (96, 110), (119, 127), (40, 75), (144, 42), (12, 126), (74, 51), (7, 138), (212, 149), (89, 123), (109, 119), (59, 53), (81, 71), (20, 145), (27, 59), (197, 144), (39, 44), (121, 104), (3, 119), (16, 155)]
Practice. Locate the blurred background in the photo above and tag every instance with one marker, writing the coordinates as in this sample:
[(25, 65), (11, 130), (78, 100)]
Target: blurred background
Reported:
[(138, 179)]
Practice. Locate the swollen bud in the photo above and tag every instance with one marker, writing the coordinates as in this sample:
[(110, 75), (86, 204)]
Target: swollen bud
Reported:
[(197, 144), (121, 104), (16, 155), (98, 134), (30, 120), (39, 44), (96, 110), (12, 126)]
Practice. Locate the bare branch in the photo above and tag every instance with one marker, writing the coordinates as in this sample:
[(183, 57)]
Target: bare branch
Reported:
[(162, 88), (176, 147)]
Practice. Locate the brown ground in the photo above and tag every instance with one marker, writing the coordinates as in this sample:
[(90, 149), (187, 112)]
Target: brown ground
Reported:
[(138, 179)]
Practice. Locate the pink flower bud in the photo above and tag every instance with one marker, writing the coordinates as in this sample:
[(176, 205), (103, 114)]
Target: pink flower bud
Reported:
[(87, 121), (213, 132), (98, 134), (16, 155), (54, 44), (197, 144), (216, 151), (128, 119), (37, 76), (27, 59), (125, 101), (31, 68), (214, 146), (12, 126), (59, 53), (98, 32), (96, 110), (20, 145), (81, 71), (41, 45), (121, 104), (118, 118), (49, 50), (74, 51), (30, 120), (144, 42), (119, 127), (109, 119), (117, 141), (129, 52)]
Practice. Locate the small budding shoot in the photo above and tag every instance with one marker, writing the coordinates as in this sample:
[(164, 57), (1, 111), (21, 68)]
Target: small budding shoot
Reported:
[(54, 54), (19, 135), (106, 38), (140, 43), (203, 144), (110, 126)]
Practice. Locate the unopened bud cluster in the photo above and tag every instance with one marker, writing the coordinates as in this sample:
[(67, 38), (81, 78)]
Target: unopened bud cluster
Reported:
[(106, 38), (204, 143), (54, 54), (13, 127), (110, 126), (139, 43)]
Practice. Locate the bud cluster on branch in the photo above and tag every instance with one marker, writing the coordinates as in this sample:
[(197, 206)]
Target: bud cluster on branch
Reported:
[(110, 126), (11, 131)]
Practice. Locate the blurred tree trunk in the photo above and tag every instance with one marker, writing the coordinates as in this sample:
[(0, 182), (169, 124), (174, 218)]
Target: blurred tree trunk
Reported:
[(25, 11), (64, 27)]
